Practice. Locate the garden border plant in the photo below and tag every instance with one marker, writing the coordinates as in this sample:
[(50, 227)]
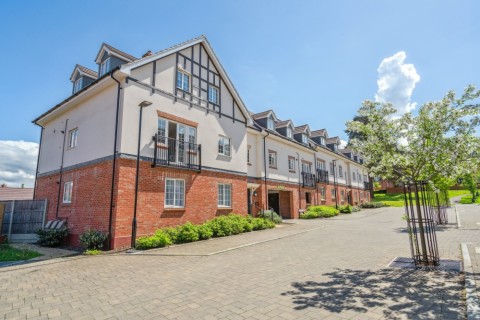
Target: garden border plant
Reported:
[(218, 227)]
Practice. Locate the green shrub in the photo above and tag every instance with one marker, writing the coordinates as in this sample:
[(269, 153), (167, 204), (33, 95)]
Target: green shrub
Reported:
[(92, 239), (372, 205), (345, 209), (310, 215), (262, 224), (52, 237), (187, 233), (92, 252), (172, 233), (356, 209), (159, 240), (204, 231), (271, 215)]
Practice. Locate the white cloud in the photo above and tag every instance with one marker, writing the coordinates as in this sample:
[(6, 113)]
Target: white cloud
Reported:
[(396, 81), (343, 144), (18, 161)]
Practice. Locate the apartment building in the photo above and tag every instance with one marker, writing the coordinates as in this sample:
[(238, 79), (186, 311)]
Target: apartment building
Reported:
[(160, 140)]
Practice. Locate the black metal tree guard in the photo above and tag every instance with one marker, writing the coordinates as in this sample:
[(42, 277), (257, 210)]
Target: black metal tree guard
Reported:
[(421, 225)]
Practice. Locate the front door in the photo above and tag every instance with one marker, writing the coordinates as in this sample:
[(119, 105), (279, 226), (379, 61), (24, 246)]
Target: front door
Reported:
[(274, 201)]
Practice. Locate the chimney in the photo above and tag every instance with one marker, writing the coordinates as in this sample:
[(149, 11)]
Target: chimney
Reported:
[(146, 54), (3, 185)]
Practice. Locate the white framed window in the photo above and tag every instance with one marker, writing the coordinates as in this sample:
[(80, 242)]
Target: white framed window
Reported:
[(289, 133), (304, 138), (72, 138), (213, 95), (306, 167), (291, 164), (224, 195), (224, 146), (354, 176), (248, 153), (335, 147), (359, 177), (183, 81), (174, 193), (332, 169), (334, 193), (77, 85), (67, 192), (342, 195), (272, 159), (322, 193), (270, 123), (340, 171), (104, 66), (322, 141), (320, 165)]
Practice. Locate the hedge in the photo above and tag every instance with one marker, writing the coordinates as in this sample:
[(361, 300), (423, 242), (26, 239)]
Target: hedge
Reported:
[(217, 227)]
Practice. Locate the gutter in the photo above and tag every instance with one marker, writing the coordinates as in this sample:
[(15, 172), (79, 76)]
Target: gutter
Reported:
[(35, 121), (110, 217), (61, 168), (265, 167), (38, 159)]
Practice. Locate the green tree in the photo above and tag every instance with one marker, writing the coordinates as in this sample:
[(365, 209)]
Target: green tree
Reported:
[(435, 145), (470, 183)]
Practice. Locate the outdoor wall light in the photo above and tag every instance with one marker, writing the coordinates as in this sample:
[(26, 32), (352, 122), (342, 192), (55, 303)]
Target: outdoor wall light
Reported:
[(254, 193)]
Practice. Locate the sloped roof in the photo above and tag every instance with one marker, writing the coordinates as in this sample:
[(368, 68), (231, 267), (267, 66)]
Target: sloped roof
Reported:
[(84, 71), (106, 47), (264, 114), (302, 129), (333, 140), (319, 133), (281, 124), (7, 193)]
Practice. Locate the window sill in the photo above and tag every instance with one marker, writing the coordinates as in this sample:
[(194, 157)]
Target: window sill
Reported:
[(174, 209), (224, 208), (273, 168)]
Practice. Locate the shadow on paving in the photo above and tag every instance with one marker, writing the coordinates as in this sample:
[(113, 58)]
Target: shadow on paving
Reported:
[(392, 293)]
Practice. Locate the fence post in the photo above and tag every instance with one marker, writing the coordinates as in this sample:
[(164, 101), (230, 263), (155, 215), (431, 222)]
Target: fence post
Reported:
[(45, 203), (11, 220)]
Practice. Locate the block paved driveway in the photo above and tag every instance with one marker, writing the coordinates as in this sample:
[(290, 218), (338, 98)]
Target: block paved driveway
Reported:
[(329, 269)]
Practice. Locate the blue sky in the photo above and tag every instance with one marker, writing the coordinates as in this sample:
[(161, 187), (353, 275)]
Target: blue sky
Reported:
[(311, 61)]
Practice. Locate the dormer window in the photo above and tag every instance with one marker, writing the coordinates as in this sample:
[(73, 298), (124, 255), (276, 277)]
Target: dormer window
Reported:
[(322, 141), (304, 138), (270, 124), (335, 146), (77, 85), (289, 133), (105, 66)]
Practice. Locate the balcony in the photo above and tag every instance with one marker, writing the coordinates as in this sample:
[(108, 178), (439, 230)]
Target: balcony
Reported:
[(366, 185), (170, 152), (322, 176), (308, 180)]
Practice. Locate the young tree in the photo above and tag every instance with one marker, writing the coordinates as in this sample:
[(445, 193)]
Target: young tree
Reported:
[(470, 183), (435, 145)]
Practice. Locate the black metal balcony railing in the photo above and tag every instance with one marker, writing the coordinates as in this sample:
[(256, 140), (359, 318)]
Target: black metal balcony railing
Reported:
[(322, 176), (176, 153), (308, 179), (366, 185)]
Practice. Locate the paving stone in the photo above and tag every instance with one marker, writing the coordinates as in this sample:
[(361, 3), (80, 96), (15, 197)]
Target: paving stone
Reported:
[(317, 269)]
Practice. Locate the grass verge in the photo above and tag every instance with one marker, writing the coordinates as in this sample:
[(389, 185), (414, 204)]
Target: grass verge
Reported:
[(9, 253), (397, 199)]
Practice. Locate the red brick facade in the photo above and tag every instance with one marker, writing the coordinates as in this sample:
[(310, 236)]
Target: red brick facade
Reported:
[(293, 199), (90, 206)]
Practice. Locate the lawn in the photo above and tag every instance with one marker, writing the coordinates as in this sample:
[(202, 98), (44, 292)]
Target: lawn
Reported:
[(398, 200), (468, 199), (8, 253)]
